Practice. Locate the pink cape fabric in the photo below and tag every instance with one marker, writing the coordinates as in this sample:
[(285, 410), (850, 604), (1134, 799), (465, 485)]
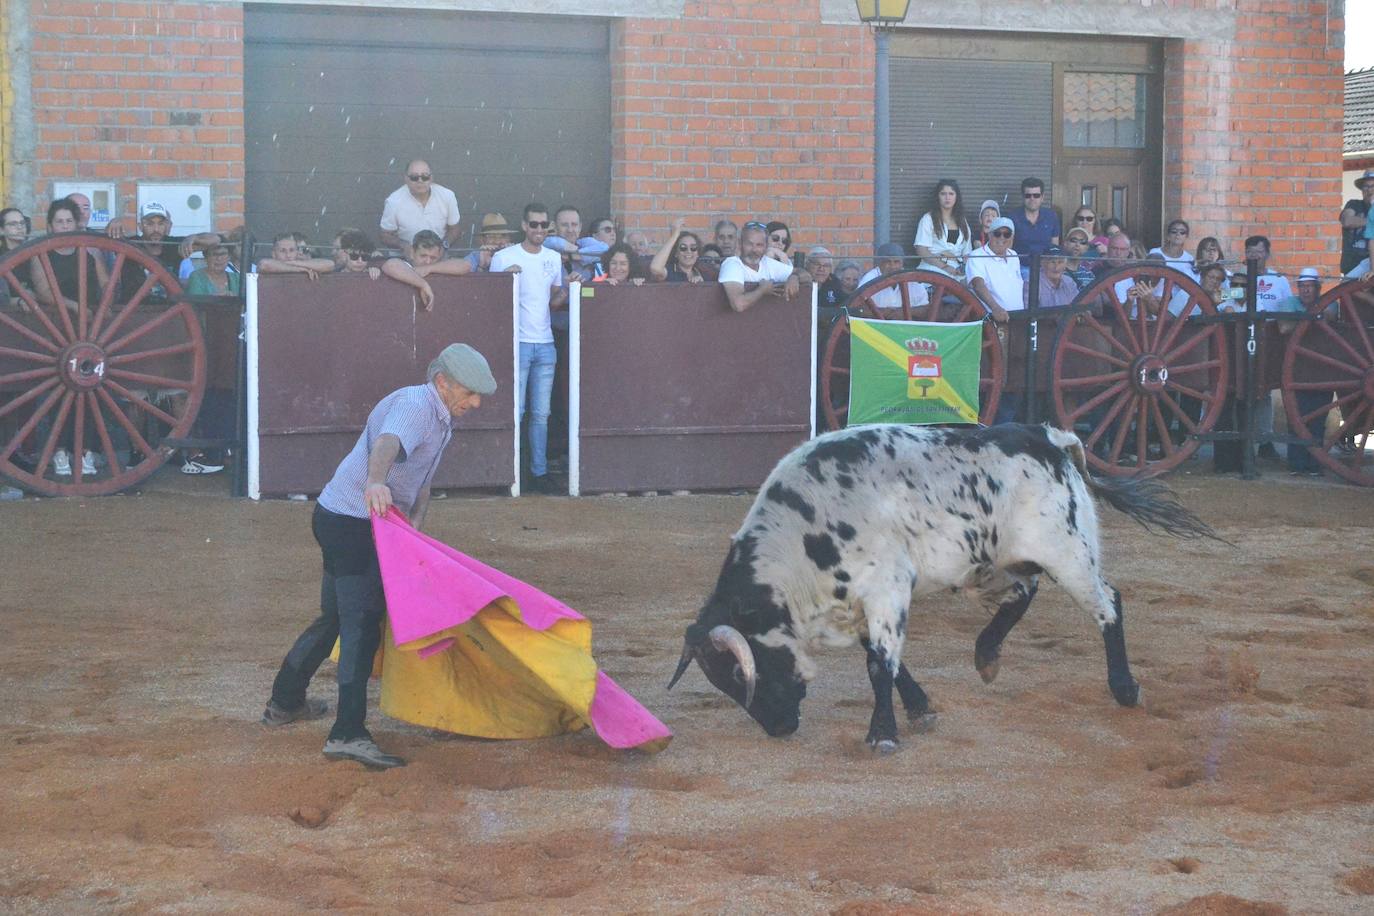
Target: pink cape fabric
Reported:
[(432, 588)]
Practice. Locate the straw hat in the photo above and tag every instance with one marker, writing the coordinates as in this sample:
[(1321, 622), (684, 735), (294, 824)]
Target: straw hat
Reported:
[(495, 224)]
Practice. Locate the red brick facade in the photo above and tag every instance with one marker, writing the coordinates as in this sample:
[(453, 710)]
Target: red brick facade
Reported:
[(740, 108)]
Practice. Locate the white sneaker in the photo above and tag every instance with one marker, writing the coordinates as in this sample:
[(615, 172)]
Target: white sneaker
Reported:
[(88, 464), (61, 463)]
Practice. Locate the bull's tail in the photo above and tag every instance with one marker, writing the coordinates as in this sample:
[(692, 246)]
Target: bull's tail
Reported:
[(1149, 502)]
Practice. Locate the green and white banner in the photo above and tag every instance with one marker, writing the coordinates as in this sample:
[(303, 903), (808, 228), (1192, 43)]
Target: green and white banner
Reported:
[(913, 371)]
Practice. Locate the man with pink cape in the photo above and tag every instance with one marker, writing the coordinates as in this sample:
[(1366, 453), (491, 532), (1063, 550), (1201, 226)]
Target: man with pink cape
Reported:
[(498, 659)]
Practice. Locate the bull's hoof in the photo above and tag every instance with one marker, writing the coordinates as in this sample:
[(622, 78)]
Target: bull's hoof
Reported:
[(921, 722), (883, 745), (1126, 694), (987, 670)]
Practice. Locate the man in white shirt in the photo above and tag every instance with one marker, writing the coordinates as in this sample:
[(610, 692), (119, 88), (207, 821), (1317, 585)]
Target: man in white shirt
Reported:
[(419, 204), (750, 266), (887, 260), (994, 272), (540, 283), (1272, 292)]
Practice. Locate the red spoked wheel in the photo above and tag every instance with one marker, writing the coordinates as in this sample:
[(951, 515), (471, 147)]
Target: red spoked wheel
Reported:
[(1328, 380), (101, 373), (894, 298), (1138, 386)]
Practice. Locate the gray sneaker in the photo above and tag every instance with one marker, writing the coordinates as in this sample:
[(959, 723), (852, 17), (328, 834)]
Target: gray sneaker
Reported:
[(363, 750), (274, 716)]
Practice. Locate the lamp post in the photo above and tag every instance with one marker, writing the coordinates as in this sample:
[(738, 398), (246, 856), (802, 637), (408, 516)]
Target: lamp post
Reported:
[(882, 15)]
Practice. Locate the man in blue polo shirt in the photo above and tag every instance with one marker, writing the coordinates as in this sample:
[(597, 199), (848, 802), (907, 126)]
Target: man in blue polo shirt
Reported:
[(392, 464), (1037, 226)]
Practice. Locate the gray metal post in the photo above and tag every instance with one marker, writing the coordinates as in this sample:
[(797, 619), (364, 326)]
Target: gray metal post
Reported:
[(882, 222)]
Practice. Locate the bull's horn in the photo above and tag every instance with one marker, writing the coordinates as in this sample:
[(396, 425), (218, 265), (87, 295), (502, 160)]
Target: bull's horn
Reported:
[(728, 639), (682, 663)]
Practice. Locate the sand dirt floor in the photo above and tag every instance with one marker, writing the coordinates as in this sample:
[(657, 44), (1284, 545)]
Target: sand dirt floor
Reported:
[(142, 632)]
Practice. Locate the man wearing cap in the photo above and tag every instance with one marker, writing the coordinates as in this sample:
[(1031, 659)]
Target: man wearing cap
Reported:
[(1354, 220), (1056, 287), (774, 278), (994, 271), (495, 234), (887, 260), (391, 464), (419, 204), (154, 236), (1036, 226)]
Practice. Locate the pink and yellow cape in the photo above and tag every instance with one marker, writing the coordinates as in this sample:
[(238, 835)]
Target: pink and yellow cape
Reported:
[(471, 650)]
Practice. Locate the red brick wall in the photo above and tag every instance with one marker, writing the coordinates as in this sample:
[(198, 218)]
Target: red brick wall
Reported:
[(1253, 133), (110, 81), (747, 110)]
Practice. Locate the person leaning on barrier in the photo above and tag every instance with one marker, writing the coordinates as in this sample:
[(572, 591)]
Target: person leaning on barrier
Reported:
[(888, 260), (774, 278), (154, 237), (288, 257), (994, 272), (427, 257), (494, 234), (392, 464), (360, 257), (1057, 288), (676, 261), (622, 268)]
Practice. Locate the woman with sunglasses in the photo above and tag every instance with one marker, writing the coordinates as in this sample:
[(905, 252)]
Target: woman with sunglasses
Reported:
[(676, 261), (1209, 252), (1174, 249), (943, 238), (1085, 218), (779, 242)]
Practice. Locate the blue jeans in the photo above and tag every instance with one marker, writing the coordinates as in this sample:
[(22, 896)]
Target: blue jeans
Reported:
[(537, 362)]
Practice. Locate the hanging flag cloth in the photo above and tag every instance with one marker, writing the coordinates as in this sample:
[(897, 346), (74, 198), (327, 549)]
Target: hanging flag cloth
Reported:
[(471, 650)]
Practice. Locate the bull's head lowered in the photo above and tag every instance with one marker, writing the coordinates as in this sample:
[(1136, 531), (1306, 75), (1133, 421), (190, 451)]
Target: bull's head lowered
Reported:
[(761, 678)]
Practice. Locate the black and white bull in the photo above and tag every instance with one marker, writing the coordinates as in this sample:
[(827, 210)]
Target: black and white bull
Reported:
[(849, 527)]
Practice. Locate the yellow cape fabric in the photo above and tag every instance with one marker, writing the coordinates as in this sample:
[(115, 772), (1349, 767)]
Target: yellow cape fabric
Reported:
[(499, 678)]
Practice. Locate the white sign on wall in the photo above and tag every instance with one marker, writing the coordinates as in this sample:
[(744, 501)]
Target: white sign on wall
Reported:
[(101, 194), (188, 205)]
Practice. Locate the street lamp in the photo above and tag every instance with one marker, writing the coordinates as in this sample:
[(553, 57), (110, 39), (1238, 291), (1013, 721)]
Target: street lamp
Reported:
[(882, 15)]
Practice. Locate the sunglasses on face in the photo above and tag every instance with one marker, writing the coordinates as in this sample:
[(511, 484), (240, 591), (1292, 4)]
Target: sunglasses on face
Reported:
[(537, 223), (1177, 231), (358, 255), (1032, 194), (1086, 219), (1002, 234), (687, 248), (423, 176), (777, 237)]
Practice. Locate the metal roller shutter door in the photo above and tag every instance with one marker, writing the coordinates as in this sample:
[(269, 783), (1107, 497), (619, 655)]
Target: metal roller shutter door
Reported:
[(504, 109), (985, 123)]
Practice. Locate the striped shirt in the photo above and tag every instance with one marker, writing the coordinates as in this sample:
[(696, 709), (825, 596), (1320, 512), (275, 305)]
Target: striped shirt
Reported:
[(417, 416)]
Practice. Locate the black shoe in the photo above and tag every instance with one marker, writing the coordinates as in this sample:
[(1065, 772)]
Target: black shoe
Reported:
[(274, 716), (1268, 452), (363, 750), (544, 484)]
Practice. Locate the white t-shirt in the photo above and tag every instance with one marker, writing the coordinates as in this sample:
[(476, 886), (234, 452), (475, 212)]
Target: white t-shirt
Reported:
[(405, 216), (733, 270), (1183, 262), (891, 298), (940, 245), (539, 272), (1273, 294), (1002, 275)]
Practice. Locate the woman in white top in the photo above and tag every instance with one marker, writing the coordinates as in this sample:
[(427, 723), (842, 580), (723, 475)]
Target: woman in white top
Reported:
[(1174, 249), (942, 236)]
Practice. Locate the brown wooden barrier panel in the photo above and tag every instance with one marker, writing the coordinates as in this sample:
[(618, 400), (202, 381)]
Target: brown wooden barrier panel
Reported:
[(679, 392), (329, 349)]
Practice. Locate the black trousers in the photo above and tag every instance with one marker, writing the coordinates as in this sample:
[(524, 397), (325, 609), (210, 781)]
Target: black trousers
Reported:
[(352, 607)]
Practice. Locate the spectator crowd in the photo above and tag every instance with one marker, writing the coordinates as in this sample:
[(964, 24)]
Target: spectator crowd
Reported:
[(752, 259)]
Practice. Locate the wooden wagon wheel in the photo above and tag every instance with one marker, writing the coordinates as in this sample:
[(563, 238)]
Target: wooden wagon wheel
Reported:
[(1328, 375), (889, 299), (84, 377), (1129, 377)]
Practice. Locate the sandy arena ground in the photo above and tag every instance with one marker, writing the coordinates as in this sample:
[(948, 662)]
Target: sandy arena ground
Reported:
[(142, 633)]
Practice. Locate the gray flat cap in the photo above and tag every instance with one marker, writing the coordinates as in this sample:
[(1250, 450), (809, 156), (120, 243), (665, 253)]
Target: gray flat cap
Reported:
[(465, 366), (888, 250)]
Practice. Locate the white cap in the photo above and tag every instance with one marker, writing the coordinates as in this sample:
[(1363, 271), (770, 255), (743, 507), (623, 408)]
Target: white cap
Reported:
[(1003, 223), (153, 209), (990, 203)]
